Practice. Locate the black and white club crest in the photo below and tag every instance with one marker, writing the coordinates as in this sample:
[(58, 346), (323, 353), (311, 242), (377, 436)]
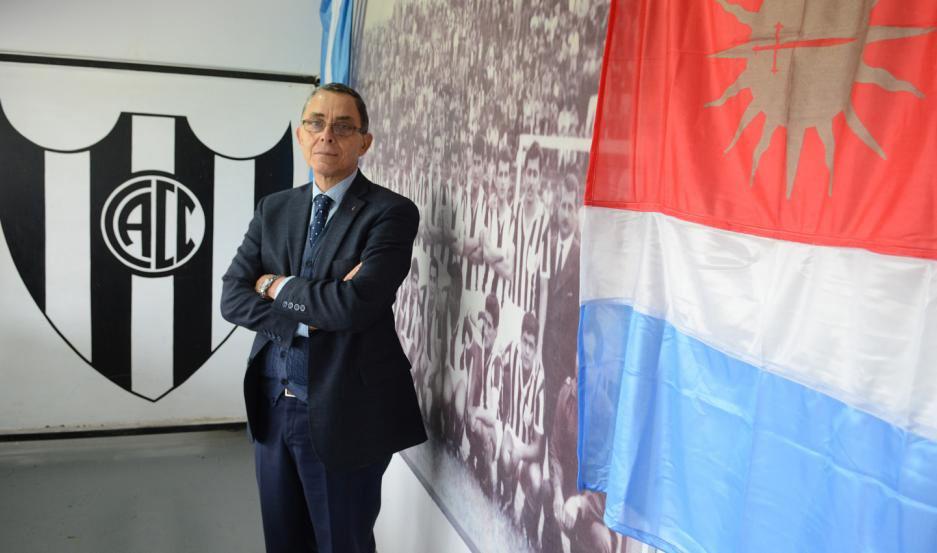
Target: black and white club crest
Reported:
[(122, 244)]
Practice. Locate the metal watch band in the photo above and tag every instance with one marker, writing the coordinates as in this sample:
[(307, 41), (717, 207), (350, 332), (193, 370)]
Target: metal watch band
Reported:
[(265, 285)]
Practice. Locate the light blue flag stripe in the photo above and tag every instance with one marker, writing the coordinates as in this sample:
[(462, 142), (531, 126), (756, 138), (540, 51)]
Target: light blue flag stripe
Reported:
[(336, 17), (700, 452)]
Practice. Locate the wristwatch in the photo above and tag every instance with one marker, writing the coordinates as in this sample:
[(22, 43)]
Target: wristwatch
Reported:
[(265, 285)]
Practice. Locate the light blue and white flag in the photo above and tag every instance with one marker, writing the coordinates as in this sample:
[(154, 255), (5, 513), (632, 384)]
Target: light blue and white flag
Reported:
[(336, 17)]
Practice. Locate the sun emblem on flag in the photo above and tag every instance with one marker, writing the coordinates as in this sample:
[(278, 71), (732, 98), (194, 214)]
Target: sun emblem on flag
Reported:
[(802, 61)]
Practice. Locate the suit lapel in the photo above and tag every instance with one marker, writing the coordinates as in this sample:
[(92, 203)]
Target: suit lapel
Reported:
[(351, 205), (297, 221)]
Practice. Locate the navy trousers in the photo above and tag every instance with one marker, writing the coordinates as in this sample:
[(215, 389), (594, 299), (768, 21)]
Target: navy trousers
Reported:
[(306, 508)]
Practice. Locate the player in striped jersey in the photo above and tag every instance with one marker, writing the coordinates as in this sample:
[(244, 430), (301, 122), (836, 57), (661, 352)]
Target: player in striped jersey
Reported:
[(409, 312), (454, 376), (426, 367), (422, 195), (482, 425), (440, 214), (522, 448), (530, 234), (471, 215), (448, 222), (498, 248)]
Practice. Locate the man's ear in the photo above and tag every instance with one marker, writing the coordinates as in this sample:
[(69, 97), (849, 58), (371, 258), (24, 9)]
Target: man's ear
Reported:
[(366, 145)]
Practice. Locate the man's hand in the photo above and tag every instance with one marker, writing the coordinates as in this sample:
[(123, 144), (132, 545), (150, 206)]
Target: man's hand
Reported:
[(351, 274), (571, 511), (558, 509), (507, 447)]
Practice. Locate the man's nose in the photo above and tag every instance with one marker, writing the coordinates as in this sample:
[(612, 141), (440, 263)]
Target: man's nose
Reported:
[(327, 135)]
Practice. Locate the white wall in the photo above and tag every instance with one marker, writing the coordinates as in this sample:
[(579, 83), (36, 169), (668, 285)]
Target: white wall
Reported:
[(280, 36), (410, 522)]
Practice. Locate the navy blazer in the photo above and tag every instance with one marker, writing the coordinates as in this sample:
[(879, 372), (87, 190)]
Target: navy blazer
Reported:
[(362, 402)]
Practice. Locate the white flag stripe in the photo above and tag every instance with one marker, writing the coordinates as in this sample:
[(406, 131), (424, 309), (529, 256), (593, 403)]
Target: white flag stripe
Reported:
[(151, 335), (233, 209), (151, 318), (335, 13), (68, 247), (867, 330), (154, 141)]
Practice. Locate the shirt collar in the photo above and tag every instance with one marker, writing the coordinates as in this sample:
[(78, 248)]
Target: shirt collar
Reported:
[(337, 192)]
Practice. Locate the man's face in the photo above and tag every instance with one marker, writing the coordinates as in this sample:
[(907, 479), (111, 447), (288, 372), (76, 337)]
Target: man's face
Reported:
[(567, 213), (491, 170), (532, 174), (477, 170), (504, 179), (530, 197), (488, 330), (331, 157), (528, 350)]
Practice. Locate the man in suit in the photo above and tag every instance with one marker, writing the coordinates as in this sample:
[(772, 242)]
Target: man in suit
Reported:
[(566, 511), (559, 344), (328, 388)]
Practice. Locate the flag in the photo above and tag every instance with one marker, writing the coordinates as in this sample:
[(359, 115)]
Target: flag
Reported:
[(758, 323), (336, 17)]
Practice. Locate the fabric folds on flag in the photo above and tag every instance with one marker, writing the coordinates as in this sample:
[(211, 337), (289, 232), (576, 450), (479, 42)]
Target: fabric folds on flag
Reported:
[(336, 17), (758, 332)]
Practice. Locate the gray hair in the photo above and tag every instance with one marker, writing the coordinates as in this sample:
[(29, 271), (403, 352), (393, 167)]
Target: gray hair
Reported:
[(339, 88)]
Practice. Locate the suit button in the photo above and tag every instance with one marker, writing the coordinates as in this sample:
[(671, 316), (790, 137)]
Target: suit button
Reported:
[(284, 382), (282, 354), (290, 305), (302, 307), (284, 304)]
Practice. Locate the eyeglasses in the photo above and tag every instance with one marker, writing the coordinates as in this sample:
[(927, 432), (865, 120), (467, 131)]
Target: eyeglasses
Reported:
[(315, 126)]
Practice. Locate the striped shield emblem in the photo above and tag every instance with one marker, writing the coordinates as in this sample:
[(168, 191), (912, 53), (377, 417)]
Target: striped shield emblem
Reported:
[(122, 244)]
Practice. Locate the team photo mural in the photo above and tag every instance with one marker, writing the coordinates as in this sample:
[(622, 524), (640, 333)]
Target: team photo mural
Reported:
[(486, 108)]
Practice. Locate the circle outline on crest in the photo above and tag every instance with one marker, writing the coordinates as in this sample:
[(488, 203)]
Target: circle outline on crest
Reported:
[(115, 203)]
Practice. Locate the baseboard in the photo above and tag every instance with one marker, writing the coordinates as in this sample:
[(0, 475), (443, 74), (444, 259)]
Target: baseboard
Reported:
[(109, 432)]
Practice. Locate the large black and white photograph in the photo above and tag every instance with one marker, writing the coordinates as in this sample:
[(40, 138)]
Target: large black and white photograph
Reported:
[(487, 128)]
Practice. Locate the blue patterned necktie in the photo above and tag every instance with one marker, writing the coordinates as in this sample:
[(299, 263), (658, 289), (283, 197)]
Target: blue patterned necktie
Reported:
[(320, 214)]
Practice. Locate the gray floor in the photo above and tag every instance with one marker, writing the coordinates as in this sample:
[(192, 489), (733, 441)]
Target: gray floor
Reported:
[(168, 493)]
